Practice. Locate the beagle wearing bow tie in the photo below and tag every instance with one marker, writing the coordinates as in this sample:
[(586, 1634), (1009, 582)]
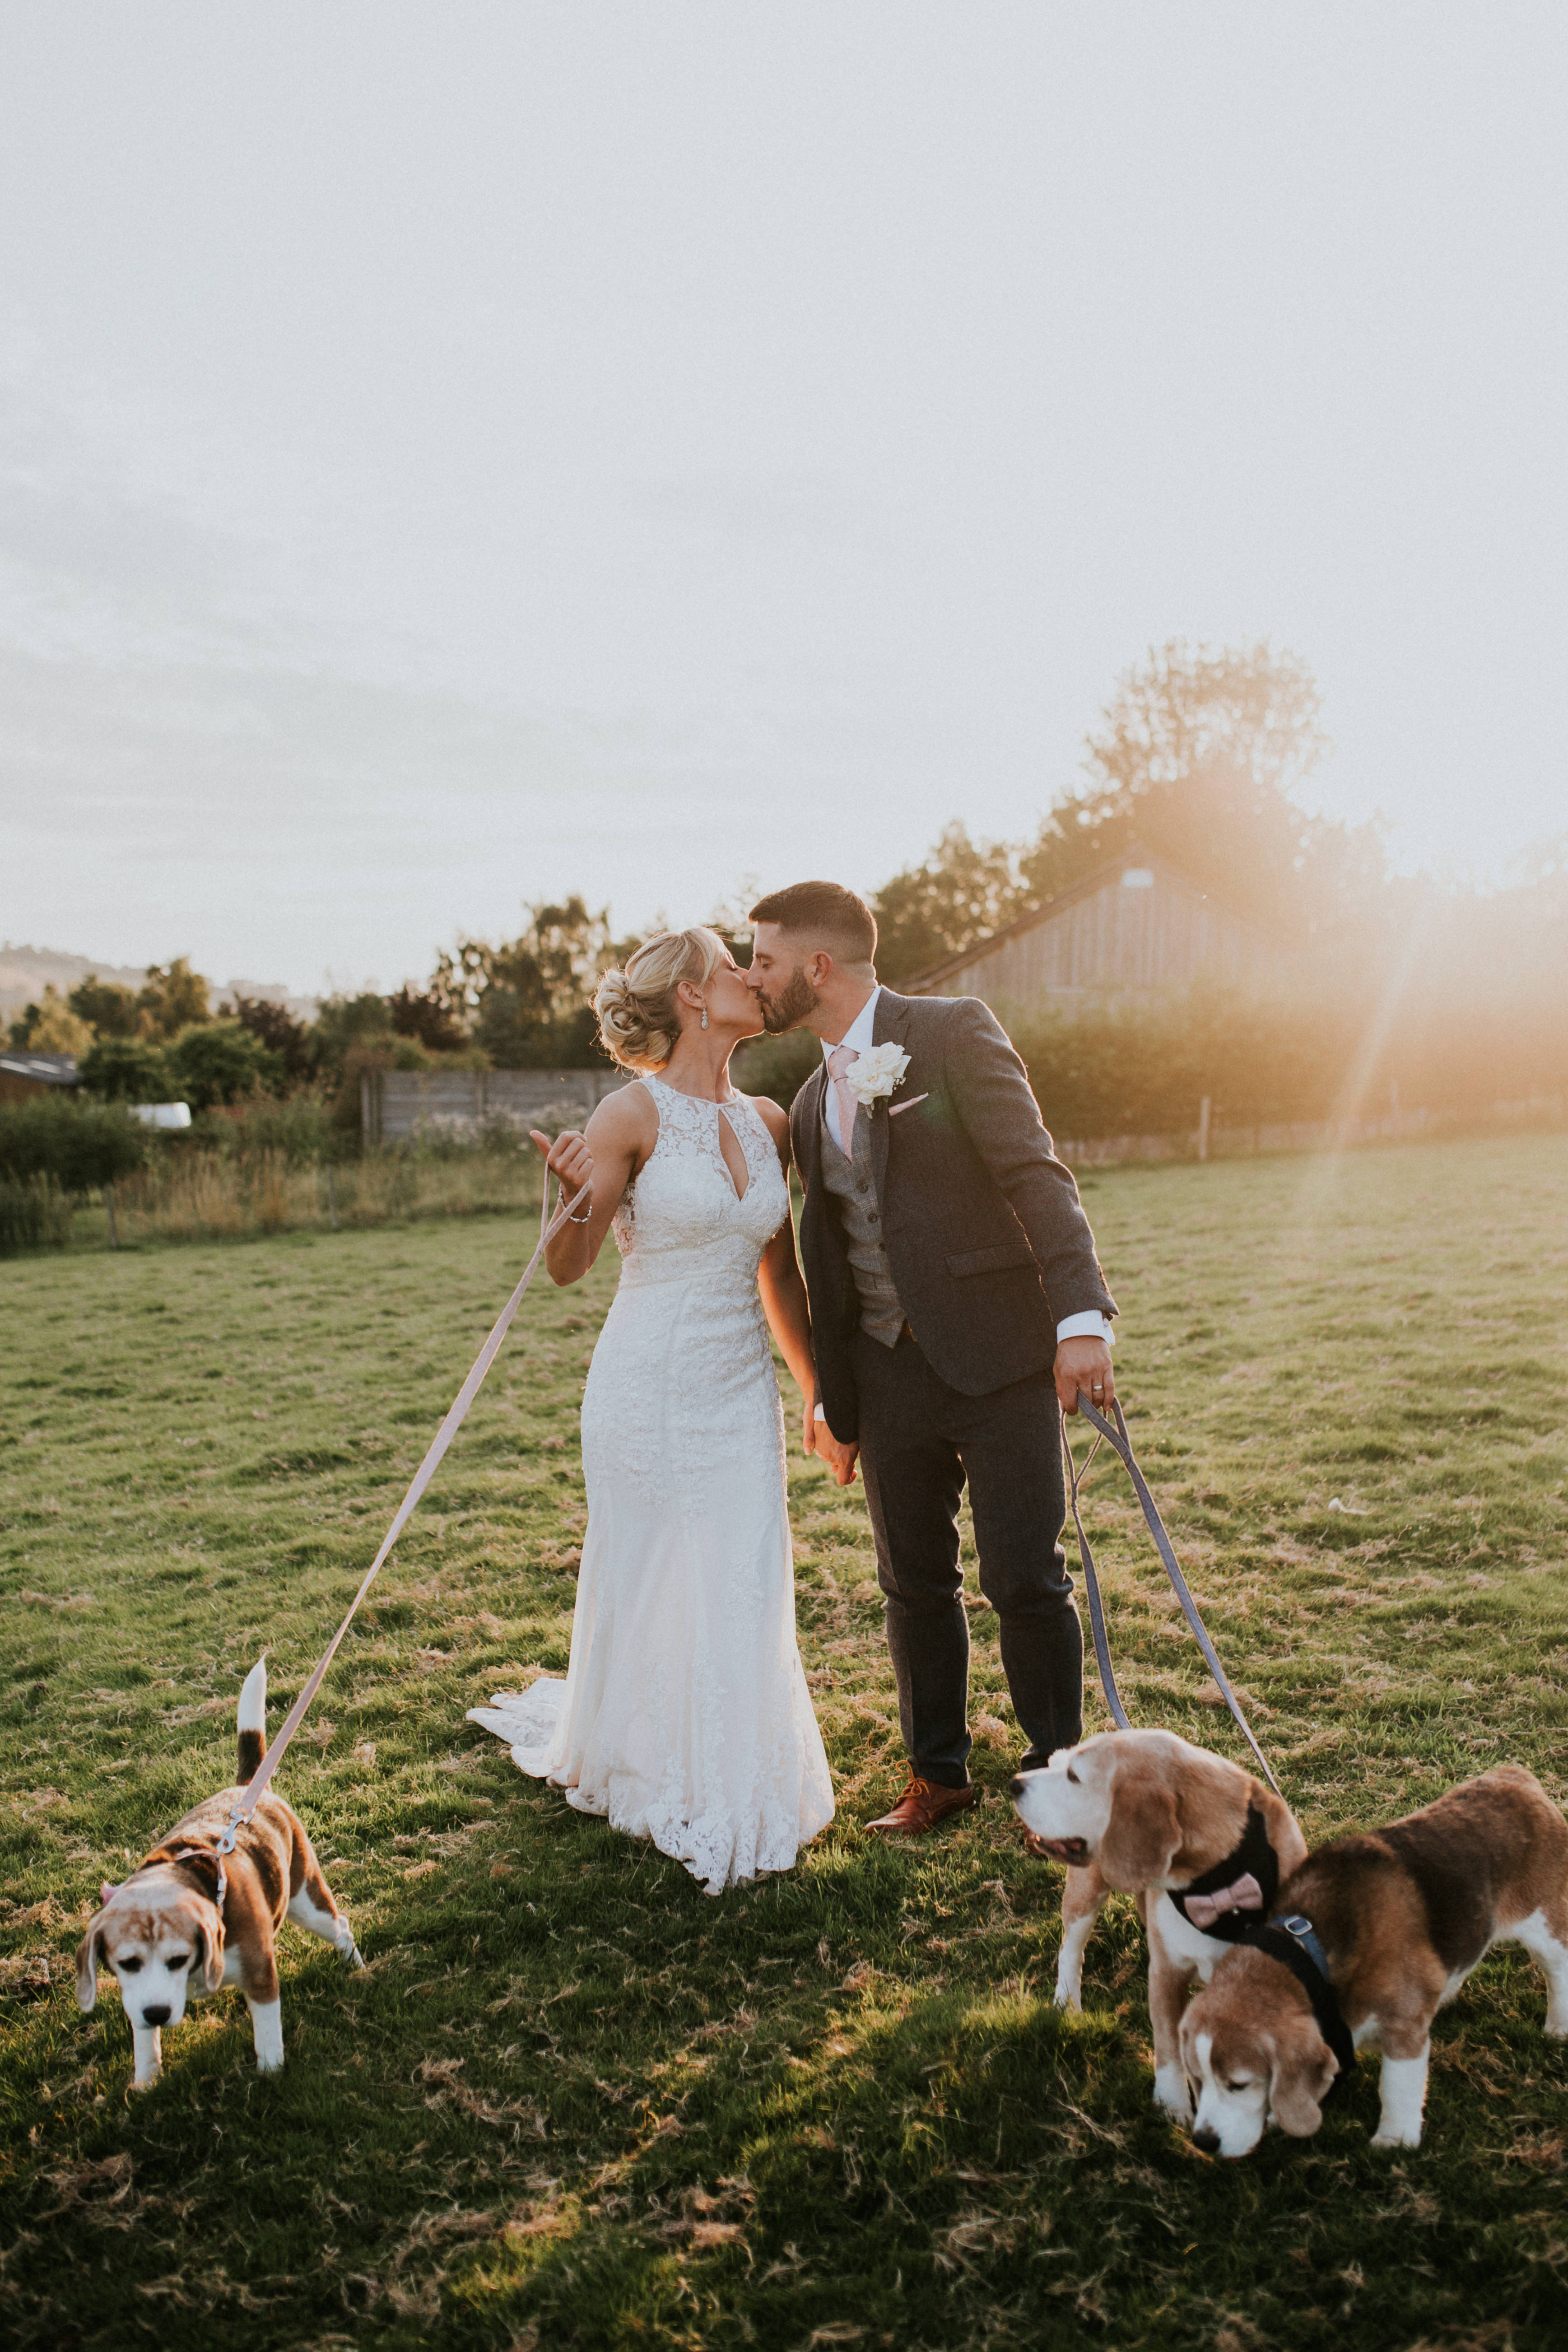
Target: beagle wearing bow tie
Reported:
[(1202, 1844), (1391, 1923)]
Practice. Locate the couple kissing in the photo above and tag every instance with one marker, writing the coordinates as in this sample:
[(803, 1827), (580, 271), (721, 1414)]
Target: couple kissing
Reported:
[(946, 1305)]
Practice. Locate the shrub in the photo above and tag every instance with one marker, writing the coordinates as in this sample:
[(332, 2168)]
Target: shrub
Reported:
[(496, 1137), (300, 1129), (217, 1062), (126, 1069), (344, 1023), (77, 1146)]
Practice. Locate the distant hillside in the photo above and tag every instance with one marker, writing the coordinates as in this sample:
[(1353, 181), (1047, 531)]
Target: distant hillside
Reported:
[(25, 972)]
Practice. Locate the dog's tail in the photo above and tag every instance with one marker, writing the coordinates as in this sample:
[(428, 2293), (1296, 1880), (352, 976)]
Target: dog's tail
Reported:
[(252, 1721)]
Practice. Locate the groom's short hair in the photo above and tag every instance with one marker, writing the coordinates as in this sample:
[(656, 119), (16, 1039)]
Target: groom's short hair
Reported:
[(830, 917)]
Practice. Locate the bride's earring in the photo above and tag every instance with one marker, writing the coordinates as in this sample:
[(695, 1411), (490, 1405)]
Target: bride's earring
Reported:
[(705, 1016)]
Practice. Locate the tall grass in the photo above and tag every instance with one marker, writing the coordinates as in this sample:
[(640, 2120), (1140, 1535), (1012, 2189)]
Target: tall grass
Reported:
[(205, 1196), (33, 1214), (268, 1166)]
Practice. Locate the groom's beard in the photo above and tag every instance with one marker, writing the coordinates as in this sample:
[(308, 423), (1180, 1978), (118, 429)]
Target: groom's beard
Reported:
[(796, 1000)]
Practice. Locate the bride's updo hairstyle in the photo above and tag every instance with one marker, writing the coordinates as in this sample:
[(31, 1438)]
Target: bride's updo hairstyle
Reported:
[(639, 1018)]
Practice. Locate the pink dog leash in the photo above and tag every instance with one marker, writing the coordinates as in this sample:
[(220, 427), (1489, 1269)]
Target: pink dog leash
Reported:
[(257, 1788)]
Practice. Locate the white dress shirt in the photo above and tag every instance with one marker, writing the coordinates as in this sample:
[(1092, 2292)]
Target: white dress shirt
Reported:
[(860, 1037)]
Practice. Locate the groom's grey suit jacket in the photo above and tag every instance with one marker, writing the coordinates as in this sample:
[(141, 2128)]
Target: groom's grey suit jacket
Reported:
[(984, 1233)]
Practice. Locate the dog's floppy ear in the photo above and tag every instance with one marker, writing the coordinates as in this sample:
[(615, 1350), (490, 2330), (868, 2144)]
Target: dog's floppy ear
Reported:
[(1144, 1835), (88, 1952), (1298, 2081), (209, 1935)]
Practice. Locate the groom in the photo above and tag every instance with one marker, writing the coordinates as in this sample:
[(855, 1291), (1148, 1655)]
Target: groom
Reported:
[(955, 1297)]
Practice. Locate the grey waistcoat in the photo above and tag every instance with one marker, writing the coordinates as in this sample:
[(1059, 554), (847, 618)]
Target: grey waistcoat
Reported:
[(850, 1183)]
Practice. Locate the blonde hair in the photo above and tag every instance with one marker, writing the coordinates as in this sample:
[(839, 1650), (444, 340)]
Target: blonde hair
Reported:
[(638, 1013)]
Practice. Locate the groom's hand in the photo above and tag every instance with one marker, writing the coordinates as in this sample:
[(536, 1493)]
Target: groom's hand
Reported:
[(1085, 1363)]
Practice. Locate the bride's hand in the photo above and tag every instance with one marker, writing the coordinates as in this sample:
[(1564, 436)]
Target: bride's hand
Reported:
[(570, 1159), (819, 1440)]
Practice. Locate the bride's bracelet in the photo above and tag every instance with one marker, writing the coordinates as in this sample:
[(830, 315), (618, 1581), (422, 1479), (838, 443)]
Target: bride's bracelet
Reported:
[(586, 1215)]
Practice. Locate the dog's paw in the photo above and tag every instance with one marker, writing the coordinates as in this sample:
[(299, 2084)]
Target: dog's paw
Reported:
[(270, 2061), (1171, 2093), (145, 2081), (1065, 1995), (1396, 2138), (354, 1956)]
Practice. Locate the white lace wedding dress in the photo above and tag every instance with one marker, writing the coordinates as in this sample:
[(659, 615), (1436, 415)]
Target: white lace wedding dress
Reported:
[(684, 1716)]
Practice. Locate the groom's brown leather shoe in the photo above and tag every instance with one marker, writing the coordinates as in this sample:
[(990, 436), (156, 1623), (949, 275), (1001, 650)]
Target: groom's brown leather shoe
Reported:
[(921, 1806)]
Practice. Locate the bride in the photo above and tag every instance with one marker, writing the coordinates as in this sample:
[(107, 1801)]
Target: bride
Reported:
[(684, 1716)]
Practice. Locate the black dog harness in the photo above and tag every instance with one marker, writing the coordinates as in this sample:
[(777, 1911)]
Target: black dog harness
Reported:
[(1253, 1858), (1290, 1938)]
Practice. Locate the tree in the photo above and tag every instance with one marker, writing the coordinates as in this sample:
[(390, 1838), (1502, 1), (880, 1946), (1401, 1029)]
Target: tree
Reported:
[(345, 1022), (126, 1070), (1197, 761), (216, 1062), (528, 1002), (109, 1010), (964, 891), (52, 1027), (173, 999), (424, 1015), (287, 1040)]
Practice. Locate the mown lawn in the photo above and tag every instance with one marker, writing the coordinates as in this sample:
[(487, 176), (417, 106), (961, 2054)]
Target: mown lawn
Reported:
[(572, 2101)]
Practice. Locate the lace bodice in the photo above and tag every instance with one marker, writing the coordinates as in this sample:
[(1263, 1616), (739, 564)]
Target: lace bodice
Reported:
[(684, 1205)]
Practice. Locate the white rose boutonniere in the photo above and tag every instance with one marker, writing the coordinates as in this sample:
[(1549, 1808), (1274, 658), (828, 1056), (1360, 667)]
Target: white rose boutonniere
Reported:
[(875, 1075)]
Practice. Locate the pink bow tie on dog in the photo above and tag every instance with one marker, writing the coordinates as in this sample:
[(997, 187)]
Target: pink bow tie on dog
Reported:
[(1245, 1894)]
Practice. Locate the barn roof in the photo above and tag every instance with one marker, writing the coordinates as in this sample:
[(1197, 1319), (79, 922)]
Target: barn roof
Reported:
[(1133, 857), (44, 1069)]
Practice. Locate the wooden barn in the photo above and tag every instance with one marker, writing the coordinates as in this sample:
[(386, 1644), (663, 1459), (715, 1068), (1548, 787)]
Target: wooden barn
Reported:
[(26, 1077), (1133, 923)]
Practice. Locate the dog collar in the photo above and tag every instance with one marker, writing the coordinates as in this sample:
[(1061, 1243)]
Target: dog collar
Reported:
[(1290, 1938), (1235, 1890), (188, 1854)]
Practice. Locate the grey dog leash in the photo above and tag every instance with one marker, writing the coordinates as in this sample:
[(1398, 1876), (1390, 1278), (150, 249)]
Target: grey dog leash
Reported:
[(1116, 1437)]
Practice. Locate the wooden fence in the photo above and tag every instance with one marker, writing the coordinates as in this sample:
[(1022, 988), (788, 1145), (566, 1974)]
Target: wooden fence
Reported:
[(396, 1105)]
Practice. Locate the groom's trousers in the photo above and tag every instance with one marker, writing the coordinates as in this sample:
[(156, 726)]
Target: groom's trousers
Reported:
[(921, 1441)]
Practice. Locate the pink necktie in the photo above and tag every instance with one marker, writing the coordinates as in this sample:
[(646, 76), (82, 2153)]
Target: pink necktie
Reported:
[(838, 1064)]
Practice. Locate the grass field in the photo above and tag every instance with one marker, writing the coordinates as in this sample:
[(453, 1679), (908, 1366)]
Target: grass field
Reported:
[(572, 2101)]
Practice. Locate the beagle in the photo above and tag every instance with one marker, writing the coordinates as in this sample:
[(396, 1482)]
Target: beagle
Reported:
[(1373, 1935), (1200, 1842), (175, 1929)]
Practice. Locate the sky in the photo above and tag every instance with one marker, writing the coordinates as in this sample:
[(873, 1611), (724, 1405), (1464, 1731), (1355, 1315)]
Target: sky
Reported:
[(452, 456)]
